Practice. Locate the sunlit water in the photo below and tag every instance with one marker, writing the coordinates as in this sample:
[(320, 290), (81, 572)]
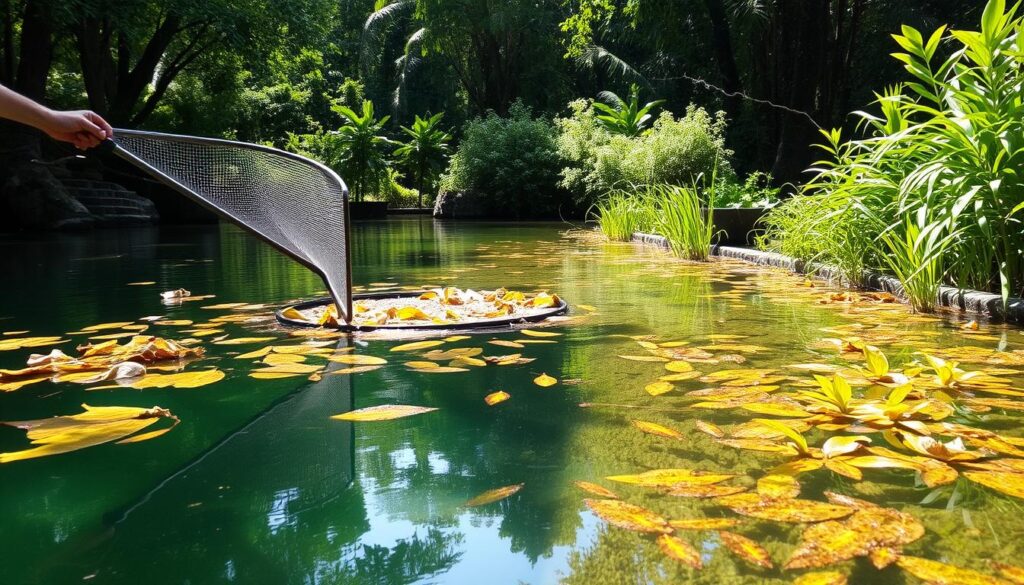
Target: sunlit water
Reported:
[(258, 485)]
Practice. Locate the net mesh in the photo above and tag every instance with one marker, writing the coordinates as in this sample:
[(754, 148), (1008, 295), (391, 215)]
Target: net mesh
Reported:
[(295, 204)]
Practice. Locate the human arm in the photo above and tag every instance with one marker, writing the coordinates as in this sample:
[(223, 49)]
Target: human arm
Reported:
[(82, 128)]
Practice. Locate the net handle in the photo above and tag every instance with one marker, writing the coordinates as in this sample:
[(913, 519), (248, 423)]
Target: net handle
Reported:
[(344, 301)]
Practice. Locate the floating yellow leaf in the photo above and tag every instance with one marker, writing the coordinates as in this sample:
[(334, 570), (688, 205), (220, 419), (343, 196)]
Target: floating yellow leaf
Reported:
[(703, 523), (97, 425), (277, 359), (587, 308), (534, 333), (656, 429), (658, 388), (103, 326), (670, 477), (358, 360), (141, 283), (506, 343), (778, 486), (254, 354), (679, 550), (417, 345), (260, 375), (421, 365), (709, 428), (937, 573), (291, 313), (628, 516), (439, 370), (463, 360), (173, 322), (21, 342), (411, 314), (544, 381), (821, 578), (746, 549), (688, 490), (438, 355), (457, 338), (679, 366), (595, 489), (644, 358), (356, 370), (791, 510), (491, 496), (496, 397), (775, 409), (680, 376), (382, 412), (868, 529), (179, 380), (1011, 484), (243, 340)]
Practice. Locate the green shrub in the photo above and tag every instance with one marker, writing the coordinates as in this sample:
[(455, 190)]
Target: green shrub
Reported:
[(510, 163), (673, 151), (755, 191), (936, 180)]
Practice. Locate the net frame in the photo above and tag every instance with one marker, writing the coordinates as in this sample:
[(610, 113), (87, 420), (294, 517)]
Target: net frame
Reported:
[(339, 284)]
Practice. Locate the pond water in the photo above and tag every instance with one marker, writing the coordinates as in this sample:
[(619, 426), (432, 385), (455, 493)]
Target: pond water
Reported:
[(258, 485)]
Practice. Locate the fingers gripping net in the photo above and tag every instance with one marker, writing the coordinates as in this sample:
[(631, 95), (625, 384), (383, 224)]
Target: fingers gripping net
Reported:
[(297, 205)]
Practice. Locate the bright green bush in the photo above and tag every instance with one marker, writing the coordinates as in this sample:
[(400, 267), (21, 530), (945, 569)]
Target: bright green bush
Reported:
[(511, 164), (755, 191), (674, 151)]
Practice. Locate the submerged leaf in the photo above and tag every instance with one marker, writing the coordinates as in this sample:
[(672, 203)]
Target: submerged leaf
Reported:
[(658, 388), (628, 516), (656, 429), (491, 496), (382, 412), (595, 489)]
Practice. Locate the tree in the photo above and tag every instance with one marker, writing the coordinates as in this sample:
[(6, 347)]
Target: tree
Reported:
[(426, 151), (500, 50), (357, 148)]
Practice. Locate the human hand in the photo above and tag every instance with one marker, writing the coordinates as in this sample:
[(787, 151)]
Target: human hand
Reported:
[(82, 128)]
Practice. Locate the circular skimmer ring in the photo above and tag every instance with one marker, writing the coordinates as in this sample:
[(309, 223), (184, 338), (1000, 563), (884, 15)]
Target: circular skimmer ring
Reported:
[(562, 307)]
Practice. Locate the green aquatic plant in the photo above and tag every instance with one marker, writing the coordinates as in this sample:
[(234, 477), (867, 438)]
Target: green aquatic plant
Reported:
[(686, 221), (619, 215)]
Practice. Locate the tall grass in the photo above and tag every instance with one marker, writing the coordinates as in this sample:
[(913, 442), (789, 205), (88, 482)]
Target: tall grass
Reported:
[(684, 219), (935, 182), (619, 215)]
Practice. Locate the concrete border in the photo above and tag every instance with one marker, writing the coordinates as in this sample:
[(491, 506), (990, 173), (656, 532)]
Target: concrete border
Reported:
[(971, 302)]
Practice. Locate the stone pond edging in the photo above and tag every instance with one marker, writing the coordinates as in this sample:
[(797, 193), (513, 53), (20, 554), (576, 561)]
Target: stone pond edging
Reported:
[(967, 301)]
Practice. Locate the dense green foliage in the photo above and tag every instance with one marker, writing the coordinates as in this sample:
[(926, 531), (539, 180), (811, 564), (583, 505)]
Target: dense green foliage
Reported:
[(936, 179), (425, 152), (673, 151), (510, 163)]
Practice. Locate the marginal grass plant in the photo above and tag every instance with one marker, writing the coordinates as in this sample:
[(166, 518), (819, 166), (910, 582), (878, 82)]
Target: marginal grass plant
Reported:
[(686, 221), (619, 215), (936, 181)]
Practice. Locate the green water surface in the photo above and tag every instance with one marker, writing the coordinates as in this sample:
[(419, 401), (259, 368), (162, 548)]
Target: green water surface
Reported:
[(258, 485)]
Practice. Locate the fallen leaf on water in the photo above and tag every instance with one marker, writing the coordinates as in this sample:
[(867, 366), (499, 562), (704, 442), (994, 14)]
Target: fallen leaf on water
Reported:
[(457, 338), (467, 361), (122, 371), (258, 375), (628, 516), (382, 412), (687, 490), (679, 366), (97, 425), (644, 358), (544, 381), (775, 409), (103, 326), (491, 496), (496, 397), (21, 342), (658, 388), (438, 355), (821, 578), (595, 489), (778, 486), (680, 550), (1011, 484), (937, 573), (505, 343), (791, 510), (417, 345), (254, 354), (746, 549), (670, 477), (866, 530), (703, 523), (358, 360), (422, 365), (1011, 572), (173, 322), (656, 429), (680, 376), (179, 380), (535, 333), (243, 340), (587, 308), (356, 370), (141, 283), (290, 368), (709, 428), (439, 370)]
